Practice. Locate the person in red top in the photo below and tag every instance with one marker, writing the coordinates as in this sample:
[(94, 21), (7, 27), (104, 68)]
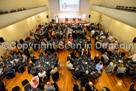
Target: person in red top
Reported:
[(35, 82)]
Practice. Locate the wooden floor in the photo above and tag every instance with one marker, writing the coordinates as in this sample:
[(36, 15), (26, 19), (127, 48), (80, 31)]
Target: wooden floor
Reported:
[(66, 81)]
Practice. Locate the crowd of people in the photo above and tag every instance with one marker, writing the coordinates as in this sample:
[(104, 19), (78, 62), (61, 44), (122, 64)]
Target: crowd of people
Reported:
[(18, 58)]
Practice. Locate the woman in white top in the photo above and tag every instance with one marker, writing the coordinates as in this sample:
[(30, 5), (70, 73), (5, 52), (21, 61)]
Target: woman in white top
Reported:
[(42, 74), (121, 69)]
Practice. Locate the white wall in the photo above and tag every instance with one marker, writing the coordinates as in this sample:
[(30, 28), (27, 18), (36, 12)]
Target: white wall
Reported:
[(54, 10), (123, 32), (95, 17), (21, 30)]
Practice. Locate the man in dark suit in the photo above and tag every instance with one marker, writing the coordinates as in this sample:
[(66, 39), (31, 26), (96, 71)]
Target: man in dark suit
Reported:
[(73, 54), (18, 64), (77, 73), (90, 87), (132, 73), (85, 78), (33, 59), (82, 52), (30, 65), (97, 59), (71, 59), (2, 86), (7, 69)]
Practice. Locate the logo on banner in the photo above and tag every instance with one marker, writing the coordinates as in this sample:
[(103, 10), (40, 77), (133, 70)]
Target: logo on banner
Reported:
[(64, 5)]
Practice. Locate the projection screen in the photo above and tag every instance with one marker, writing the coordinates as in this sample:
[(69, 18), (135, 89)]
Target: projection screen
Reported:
[(69, 5)]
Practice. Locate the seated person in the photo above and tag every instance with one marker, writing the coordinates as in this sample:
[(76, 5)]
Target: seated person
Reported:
[(49, 87), (69, 43), (33, 71), (110, 68), (18, 63), (99, 66), (30, 65), (69, 65), (1, 71), (54, 70), (42, 74), (97, 73), (69, 58), (76, 88), (105, 57), (97, 59), (87, 53), (33, 37), (34, 82), (31, 50), (132, 73), (77, 73), (120, 69), (24, 58), (82, 52), (73, 54), (90, 87), (133, 57), (33, 59), (89, 41), (7, 69), (85, 78), (110, 38), (116, 52), (92, 33), (105, 89)]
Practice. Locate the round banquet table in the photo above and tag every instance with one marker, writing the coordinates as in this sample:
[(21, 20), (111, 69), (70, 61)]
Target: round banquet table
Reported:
[(77, 34), (45, 63), (84, 63), (119, 59)]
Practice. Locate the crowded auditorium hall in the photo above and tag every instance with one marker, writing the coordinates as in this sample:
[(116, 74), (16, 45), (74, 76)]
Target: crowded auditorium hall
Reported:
[(67, 45)]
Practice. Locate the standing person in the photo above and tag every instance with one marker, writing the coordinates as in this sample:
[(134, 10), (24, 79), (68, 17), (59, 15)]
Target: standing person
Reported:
[(82, 52), (34, 82)]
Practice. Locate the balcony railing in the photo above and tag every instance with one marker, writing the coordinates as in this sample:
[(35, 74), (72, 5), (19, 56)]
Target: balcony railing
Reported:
[(11, 18), (120, 15)]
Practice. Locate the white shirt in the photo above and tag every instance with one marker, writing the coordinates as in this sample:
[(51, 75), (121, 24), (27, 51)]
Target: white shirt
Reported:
[(110, 38), (42, 75), (69, 66), (92, 31), (133, 57), (1, 72)]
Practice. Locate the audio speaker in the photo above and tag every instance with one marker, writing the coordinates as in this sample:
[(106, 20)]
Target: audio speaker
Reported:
[(1, 40), (74, 19), (47, 16), (53, 20), (89, 16)]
